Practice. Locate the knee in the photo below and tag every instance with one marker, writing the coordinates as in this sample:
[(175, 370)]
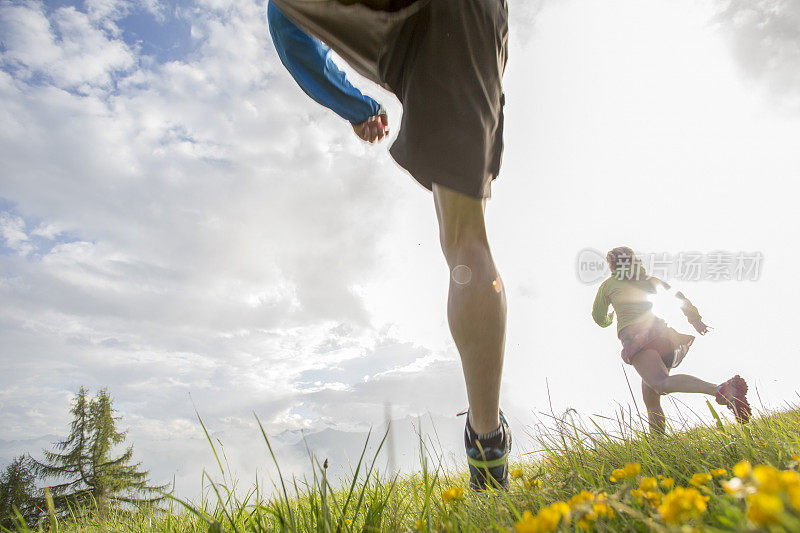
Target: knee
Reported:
[(659, 389), (469, 261)]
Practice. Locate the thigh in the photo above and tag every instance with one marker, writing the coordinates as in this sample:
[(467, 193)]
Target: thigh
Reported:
[(458, 214), (452, 95), (650, 367)]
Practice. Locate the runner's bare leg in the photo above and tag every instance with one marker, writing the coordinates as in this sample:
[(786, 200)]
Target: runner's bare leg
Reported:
[(476, 304), (655, 414), (649, 365)]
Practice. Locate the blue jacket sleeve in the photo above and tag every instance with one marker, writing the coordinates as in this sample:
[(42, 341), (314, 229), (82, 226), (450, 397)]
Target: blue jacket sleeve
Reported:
[(309, 62)]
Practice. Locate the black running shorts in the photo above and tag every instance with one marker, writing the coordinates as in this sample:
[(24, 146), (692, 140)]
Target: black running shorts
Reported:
[(444, 60)]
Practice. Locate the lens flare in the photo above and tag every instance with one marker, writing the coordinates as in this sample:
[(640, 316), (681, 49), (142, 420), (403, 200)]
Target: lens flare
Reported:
[(462, 274), (666, 305), (497, 284)]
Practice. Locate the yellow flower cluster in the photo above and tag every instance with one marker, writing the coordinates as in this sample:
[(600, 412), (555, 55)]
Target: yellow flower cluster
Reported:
[(770, 496), (679, 504), (453, 494), (666, 482), (768, 492), (545, 521), (532, 483), (598, 507), (648, 492), (700, 480), (682, 504), (529, 483), (630, 471), (586, 507)]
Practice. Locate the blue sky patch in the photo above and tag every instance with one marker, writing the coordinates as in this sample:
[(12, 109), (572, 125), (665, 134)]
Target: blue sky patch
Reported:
[(166, 39)]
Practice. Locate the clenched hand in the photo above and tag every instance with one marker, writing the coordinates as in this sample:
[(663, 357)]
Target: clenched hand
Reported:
[(374, 129)]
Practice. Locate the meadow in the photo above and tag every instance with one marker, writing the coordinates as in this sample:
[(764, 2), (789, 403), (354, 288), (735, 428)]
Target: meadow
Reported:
[(583, 477)]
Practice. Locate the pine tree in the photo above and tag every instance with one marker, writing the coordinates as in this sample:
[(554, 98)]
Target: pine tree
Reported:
[(83, 461), (18, 494)]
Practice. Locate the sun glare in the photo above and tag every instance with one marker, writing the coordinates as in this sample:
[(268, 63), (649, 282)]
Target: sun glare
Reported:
[(666, 305)]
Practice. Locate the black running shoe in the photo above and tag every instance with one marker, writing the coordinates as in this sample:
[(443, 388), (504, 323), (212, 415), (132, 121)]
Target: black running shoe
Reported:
[(488, 459)]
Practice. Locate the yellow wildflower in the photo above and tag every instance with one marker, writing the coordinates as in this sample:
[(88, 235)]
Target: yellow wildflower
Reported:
[(632, 469), (648, 483), (528, 524), (550, 516), (582, 497), (700, 479), (789, 479), (603, 509), (545, 521), (666, 482), (347, 521), (516, 474), (681, 505), (453, 494), (419, 525), (533, 483), (794, 498), (599, 510), (742, 469), (562, 508), (763, 509), (586, 522), (649, 497), (767, 479), (719, 472)]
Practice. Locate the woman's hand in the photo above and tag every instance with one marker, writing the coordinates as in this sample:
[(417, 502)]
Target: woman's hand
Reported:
[(700, 327), (374, 129)]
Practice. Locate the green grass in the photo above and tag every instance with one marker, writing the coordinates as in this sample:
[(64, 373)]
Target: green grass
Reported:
[(570, 457)]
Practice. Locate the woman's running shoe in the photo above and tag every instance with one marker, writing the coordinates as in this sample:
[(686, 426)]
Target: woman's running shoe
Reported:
[(733, 394)]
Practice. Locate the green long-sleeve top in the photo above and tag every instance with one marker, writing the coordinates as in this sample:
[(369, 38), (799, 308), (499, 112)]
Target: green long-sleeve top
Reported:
[(630, 299)]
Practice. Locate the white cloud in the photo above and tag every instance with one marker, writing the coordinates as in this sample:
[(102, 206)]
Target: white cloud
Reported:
[(12, 230), (219, 224), (67, 48), (765, 36)]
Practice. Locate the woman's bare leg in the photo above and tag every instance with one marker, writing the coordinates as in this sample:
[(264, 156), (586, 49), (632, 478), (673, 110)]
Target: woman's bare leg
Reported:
[(651, 368), (655, 414)]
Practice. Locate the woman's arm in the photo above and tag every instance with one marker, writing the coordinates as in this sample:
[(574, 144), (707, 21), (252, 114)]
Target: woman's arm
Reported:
[(689, 310), (309, 62), (600, 312), (692, 314)]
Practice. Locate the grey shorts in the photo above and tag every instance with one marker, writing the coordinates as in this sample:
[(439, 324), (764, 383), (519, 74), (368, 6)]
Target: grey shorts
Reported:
[(444, 60)]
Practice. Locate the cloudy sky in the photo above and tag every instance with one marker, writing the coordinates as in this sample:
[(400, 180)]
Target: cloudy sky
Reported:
[(180, 224)]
